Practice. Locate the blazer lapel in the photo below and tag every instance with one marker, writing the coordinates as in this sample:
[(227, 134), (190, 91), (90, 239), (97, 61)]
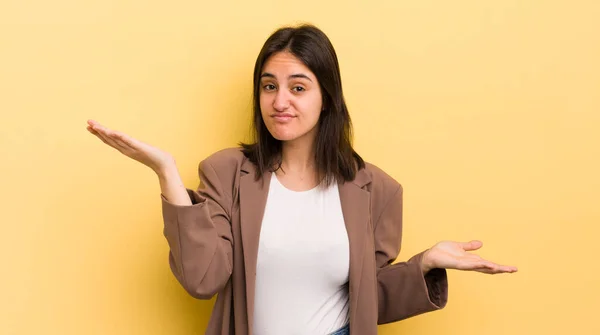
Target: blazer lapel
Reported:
[(357, 211), (253, 200)]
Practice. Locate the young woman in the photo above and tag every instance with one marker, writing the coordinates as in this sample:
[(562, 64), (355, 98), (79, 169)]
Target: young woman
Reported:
[(295, 232)]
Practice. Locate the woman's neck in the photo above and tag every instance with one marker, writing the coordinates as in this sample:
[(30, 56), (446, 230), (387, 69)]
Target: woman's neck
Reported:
[(298, 158)]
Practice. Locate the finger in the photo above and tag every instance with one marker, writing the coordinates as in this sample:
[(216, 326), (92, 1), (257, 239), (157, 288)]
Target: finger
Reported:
[(506, 268), (478, 266), (117, 136), (103, 134), (106, 133), (115, 144), (94, 132), (509, 269), (99, 128), (98, 135), (472, 245), (490, 267), (93, 123), (118, 140), (103, 138), (473, 262), (102, 129), (503, 268), (493, 271), (486, 271), (125, 140), (111, 142)]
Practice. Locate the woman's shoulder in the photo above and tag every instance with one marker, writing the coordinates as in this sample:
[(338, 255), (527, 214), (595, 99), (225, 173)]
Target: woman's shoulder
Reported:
[(225, 159), (226, 154), (381, 181)]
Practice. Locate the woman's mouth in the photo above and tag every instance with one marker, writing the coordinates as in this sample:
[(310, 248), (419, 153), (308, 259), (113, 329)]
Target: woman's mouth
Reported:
[(283, 118)]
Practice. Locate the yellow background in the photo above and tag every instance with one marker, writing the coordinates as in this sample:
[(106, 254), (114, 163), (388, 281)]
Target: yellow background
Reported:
[(488, 112)]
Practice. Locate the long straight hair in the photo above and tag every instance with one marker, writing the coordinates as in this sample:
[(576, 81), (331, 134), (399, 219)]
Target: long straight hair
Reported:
[(335, 158)]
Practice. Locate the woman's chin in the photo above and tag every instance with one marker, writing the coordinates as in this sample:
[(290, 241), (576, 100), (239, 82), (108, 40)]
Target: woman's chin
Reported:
[(284, 136)]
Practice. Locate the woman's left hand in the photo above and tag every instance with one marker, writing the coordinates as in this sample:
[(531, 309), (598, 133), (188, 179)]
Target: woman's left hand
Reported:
[(455, 255)]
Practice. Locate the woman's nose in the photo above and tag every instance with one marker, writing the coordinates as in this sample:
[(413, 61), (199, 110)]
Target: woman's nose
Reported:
[(282, 100)]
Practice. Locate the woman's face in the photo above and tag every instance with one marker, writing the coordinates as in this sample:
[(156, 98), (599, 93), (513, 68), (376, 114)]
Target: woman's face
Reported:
[(290, 98)]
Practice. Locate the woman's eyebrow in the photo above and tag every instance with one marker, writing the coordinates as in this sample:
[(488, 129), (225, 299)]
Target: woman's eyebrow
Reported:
[(298, 75)]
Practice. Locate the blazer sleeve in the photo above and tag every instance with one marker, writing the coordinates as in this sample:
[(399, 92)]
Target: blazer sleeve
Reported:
[(200, 236), (403, 291)]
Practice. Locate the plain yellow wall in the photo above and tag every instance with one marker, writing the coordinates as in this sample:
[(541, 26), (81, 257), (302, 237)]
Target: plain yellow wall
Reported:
[(488, 112)]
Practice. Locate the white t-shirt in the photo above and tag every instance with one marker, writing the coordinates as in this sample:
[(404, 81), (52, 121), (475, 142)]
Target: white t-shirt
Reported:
[(303, 263)]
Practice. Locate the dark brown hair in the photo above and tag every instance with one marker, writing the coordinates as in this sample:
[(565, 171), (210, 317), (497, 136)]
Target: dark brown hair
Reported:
[(335, 158)]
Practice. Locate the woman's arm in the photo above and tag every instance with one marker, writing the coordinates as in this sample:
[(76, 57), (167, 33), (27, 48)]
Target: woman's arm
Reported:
[(403, 290), (200, 237), (196, 223)]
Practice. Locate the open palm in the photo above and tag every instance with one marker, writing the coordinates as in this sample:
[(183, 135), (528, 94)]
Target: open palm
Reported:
[(456, 255), (142, 152)]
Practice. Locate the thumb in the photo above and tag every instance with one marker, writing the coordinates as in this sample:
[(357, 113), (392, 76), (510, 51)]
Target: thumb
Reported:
[(472, 245)]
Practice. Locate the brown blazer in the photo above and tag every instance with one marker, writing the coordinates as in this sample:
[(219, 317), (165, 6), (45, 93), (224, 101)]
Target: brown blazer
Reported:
[(214, 245)]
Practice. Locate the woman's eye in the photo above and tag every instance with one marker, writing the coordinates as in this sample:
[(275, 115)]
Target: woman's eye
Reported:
[(298, 89), (269, 87)]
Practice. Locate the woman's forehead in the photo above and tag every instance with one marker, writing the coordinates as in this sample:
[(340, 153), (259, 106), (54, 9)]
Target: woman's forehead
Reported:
[(285, 64)]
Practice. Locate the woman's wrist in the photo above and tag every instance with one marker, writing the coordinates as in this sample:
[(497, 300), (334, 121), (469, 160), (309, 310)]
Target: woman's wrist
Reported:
[(426, 265)]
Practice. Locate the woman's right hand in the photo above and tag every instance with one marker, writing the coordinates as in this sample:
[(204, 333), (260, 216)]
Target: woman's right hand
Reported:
[(156, 159)]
